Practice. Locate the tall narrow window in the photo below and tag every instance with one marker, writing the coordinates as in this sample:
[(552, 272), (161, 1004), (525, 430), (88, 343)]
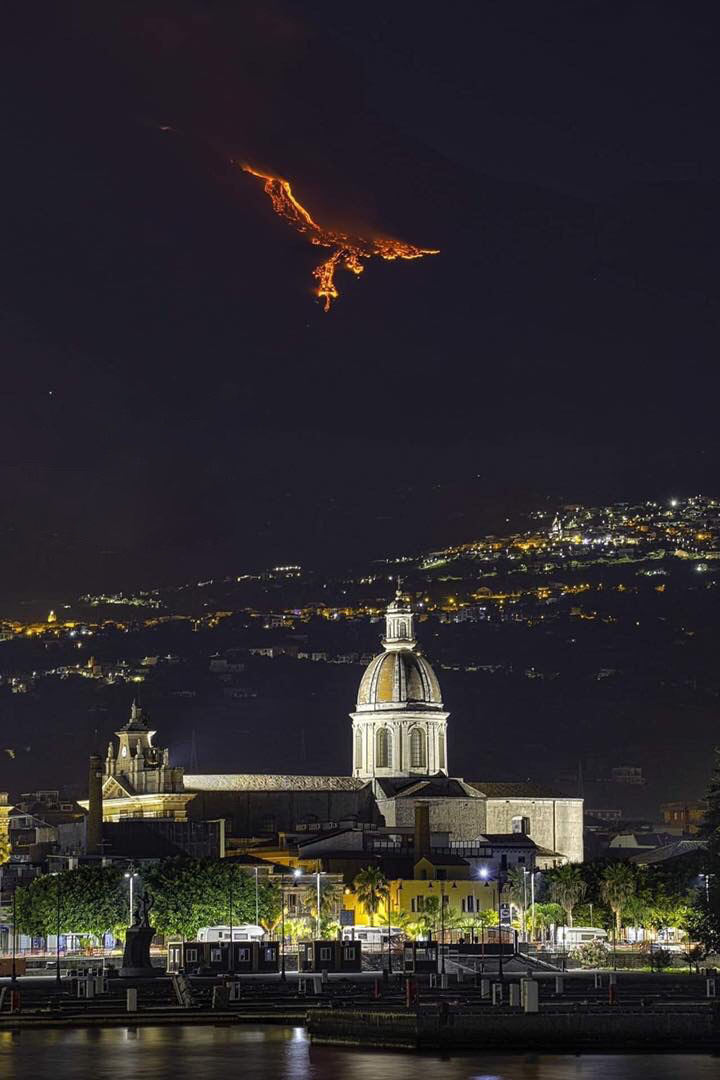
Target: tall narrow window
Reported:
[(383, 749), (441, 750), (358, 750), (418, 749)]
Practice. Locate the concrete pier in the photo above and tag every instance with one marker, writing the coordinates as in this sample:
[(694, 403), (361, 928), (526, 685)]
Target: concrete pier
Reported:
[(667, 1028)]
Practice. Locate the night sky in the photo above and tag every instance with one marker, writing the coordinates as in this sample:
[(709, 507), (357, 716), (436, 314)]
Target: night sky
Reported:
[(174, 400)]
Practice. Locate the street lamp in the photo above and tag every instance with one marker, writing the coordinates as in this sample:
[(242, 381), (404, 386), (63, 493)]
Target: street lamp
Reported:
[(317, 921), (296, 874), (231, 958), (442, 922), (131, 875), (257, 901), (501, 973), (14, 935), (58, 980)]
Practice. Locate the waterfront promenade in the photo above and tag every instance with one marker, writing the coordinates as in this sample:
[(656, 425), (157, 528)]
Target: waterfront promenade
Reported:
[(575, 1012)]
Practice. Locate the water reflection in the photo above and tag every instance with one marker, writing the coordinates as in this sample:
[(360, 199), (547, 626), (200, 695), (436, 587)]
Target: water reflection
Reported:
[(197, 1053)]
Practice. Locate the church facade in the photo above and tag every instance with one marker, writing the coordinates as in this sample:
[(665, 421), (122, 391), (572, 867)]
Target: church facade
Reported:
[(399, 761)]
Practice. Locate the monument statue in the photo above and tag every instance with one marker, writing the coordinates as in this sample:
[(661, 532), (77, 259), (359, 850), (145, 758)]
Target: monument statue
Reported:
[(136, 956)]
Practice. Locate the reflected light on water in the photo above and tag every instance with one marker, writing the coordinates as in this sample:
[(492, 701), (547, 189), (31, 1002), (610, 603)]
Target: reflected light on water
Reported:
[(273, 1053)]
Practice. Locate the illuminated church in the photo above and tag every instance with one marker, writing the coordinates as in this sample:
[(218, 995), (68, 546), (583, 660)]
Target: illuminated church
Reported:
[(400, 756)]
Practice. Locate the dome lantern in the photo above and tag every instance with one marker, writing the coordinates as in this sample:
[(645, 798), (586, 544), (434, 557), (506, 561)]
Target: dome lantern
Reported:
[(399, 726)]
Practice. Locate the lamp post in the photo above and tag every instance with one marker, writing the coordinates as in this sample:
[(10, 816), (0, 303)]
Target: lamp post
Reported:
[(389, 921), (483, 872), (296, 874), (58, 980), (532, 900), (131, 875), (257, 900), (231, 958), (14, 935), (501, 972), (442, 927), (317, 884), (282, 927), (524, 918)]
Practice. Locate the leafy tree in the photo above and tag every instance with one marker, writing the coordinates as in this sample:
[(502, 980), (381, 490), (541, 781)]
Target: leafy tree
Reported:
[(477, 922), (429, 919), (704, 921), (93, 899), (567, 888), (619, 888), (546, 915), (593, 914), (190, 893), (330, 897), (371, 889)]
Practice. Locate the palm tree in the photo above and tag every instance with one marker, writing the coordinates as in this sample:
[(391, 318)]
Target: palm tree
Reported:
[(545, 916), (329, 898), (567, 888), (517, 889), (371, 889), (429, 919), (618, 887)]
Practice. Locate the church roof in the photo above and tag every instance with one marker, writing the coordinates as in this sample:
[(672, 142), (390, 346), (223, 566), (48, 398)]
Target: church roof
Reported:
[(519, 840), (271, 782), (399, 677), (525, 789), (426, 787)]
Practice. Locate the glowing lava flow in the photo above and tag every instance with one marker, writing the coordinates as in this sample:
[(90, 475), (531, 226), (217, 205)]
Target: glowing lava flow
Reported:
[(347, 251)]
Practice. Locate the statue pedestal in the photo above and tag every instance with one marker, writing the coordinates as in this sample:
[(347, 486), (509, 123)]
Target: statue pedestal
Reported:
[(136, 957)]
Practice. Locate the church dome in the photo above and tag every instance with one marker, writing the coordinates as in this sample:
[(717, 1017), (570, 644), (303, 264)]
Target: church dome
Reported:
[(398, 678)]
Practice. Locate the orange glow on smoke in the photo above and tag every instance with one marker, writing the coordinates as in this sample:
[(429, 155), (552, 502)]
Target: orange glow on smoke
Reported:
[(347, 251)]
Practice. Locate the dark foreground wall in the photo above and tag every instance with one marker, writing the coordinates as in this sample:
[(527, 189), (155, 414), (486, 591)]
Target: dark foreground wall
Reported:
[(681, 1027)]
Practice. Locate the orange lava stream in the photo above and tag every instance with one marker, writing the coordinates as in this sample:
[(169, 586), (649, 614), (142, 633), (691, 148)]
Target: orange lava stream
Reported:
[(347, 251)]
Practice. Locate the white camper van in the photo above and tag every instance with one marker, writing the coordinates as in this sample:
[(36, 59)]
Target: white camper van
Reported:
[(244, 932), (569, 937), (373, 935)]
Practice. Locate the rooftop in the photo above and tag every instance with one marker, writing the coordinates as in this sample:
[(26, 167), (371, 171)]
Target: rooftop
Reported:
[(270, 782), (522, 789)]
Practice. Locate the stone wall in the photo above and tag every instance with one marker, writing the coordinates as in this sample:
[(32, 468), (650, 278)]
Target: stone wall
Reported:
[(556, 824), (463, 818)]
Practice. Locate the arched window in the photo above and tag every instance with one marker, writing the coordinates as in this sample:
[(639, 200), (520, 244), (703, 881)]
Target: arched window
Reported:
[(418, 749), (441, 750), (358, 749), (402, 629), (383, 749)]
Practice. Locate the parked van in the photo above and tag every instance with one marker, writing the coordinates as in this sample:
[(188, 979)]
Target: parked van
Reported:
[(373, 935), (244, 932), (572, 936)]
